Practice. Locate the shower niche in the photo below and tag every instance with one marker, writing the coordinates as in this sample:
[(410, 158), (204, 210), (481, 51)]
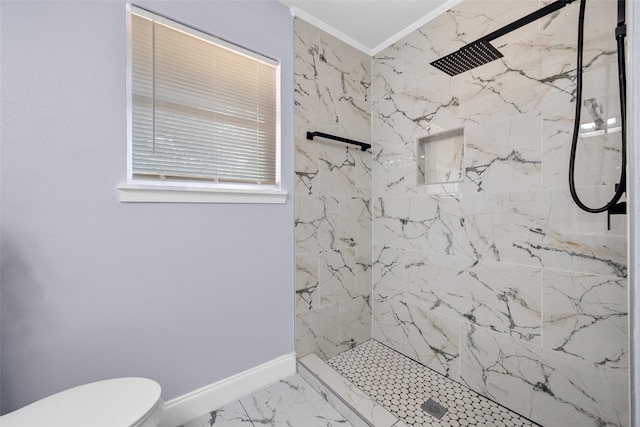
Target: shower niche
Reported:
[(440, 157)]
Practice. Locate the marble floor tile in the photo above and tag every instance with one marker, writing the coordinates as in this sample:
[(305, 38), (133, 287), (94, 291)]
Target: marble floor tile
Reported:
[(231, 415), (290, 402)]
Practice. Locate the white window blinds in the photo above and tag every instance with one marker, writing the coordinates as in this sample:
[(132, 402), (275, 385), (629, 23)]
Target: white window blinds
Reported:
[(202, 110)]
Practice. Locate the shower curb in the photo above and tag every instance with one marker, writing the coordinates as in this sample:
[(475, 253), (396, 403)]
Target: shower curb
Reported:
[(351, 402)]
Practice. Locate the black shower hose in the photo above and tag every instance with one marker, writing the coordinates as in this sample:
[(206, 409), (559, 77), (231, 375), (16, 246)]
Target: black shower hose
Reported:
[(621, 188)]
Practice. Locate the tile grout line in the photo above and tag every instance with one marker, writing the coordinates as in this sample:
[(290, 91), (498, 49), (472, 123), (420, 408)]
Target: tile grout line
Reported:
[(246, 412)]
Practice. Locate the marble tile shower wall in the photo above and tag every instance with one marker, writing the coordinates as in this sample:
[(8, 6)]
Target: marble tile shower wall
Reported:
[(498, 280), (332, 194)]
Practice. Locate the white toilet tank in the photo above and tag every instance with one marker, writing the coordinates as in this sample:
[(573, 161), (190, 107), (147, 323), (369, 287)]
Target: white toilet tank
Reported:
[(120, 402)]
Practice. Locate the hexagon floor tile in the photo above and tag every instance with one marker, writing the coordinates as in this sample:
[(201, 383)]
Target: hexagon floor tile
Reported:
[(403, 386)]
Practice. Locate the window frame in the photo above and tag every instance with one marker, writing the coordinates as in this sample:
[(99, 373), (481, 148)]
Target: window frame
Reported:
[(194, 191)]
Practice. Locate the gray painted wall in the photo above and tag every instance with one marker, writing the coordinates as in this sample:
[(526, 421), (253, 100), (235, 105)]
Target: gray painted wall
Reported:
[(186, 294)]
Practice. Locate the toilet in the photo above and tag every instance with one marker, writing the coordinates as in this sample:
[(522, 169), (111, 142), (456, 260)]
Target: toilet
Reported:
[(120, 402)]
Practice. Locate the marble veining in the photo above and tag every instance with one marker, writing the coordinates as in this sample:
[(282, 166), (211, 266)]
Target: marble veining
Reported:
[(507, 148), (586, 317), (388, 269), (488, 294), (364, 271), (306, 279), (355, 222), (355, 321), (599, 148), (231, 415), (318, 331), (429, 223), (333, 184), (541, 228), (535, 286), (498, 280), (353, 403), (336, 275), (416, 332), (289, 402), (336, 170), (316, 223), (549, 387)]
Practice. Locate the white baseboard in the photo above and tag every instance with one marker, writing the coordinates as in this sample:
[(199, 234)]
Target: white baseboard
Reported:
[(213, 396)]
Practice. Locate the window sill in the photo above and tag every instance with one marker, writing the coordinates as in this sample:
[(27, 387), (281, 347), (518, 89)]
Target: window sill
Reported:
[(131, 193)]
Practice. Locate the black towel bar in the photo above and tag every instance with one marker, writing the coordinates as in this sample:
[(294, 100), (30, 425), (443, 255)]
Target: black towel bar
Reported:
[(362, 145)]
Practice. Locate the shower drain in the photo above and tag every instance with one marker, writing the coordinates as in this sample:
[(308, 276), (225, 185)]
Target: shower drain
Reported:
[(434, 409)]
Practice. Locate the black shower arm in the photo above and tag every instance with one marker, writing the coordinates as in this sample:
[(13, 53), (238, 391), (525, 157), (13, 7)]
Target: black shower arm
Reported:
[(362, 145), (534, 16)]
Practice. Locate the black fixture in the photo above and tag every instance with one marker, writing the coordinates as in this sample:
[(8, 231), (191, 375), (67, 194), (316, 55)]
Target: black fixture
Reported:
[(481, 52), (618, 208), (614, 206), (364, 146)]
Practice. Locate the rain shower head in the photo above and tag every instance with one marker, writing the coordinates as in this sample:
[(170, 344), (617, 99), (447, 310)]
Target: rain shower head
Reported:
[(468, 57), (481, 52)]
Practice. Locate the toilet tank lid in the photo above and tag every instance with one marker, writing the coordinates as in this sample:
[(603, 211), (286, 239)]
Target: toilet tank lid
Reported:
[(108, 403)]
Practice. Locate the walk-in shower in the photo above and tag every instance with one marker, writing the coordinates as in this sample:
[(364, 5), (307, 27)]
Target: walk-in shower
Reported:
[(481, 52), (493, 279)]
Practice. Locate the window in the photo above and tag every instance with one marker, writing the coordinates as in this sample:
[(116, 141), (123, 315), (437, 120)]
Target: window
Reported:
[(204, 115)]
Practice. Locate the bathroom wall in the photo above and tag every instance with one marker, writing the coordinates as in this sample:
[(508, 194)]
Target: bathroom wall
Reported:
[(499, 281), (186, 294), (332, 194)]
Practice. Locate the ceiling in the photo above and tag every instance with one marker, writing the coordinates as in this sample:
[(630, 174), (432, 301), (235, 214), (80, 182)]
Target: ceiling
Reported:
[(368, 25)]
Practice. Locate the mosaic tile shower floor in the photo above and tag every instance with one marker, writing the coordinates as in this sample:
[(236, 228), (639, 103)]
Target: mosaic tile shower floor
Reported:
[(403, 385)]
